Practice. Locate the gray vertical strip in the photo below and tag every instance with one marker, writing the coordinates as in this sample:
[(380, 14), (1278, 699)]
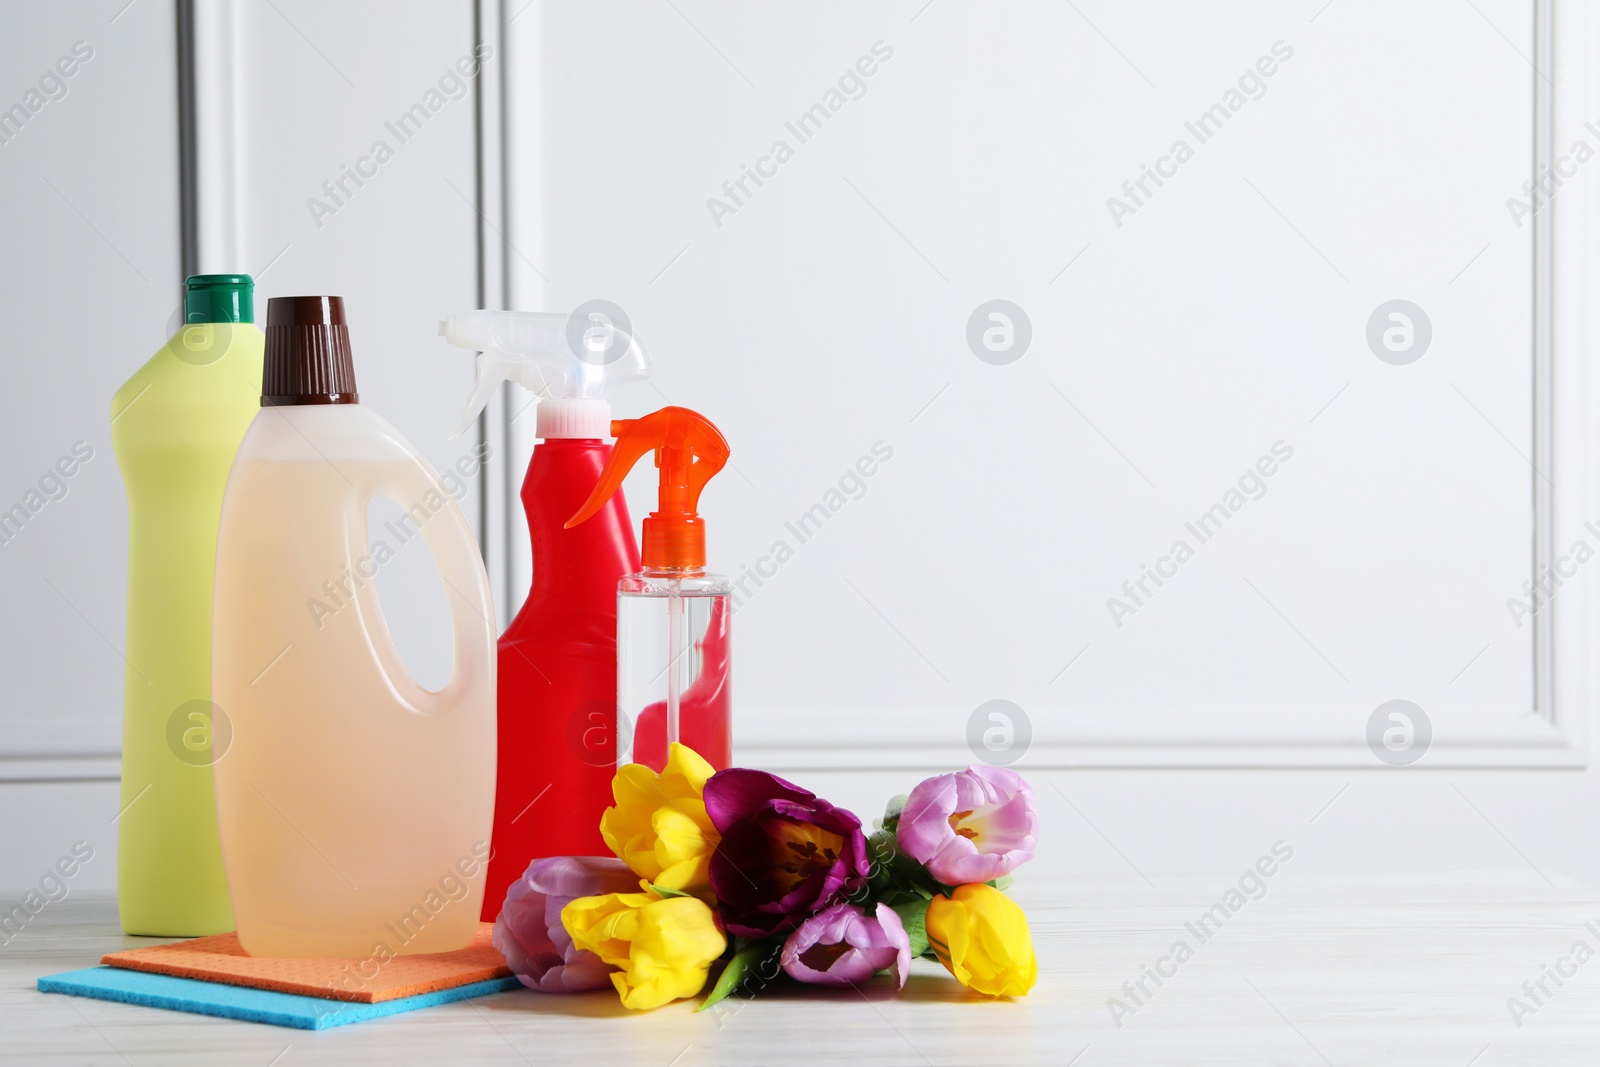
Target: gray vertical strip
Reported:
[(496, 479), (188, 206), (483, 280), (1544, 456), (509, 483)]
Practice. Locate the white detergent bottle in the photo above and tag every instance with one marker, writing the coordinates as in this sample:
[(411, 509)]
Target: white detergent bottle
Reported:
[(354, 805)]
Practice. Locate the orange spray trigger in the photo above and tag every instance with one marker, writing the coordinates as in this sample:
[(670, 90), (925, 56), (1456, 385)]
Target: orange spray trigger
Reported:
[(689, 450)]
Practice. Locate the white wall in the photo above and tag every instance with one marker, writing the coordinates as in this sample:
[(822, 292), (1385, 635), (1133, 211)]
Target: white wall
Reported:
[(91, 274), (822, 311), (829, 312)]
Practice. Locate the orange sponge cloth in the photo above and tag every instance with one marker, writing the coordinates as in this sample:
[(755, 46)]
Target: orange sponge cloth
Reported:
[(220, 959)]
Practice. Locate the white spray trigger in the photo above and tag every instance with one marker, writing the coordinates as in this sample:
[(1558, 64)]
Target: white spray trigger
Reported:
[(538, 351), (490, 374)]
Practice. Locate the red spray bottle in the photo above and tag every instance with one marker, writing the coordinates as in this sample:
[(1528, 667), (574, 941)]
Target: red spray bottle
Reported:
[(557, 740)]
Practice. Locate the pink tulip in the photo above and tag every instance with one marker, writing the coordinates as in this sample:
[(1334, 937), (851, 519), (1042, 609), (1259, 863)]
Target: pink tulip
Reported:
[(843, 946), (528, 931), (971, 826)]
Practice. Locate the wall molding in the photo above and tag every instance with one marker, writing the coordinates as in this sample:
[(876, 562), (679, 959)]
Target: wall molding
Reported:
[(1552, 731), (214, 113), (62, 767)]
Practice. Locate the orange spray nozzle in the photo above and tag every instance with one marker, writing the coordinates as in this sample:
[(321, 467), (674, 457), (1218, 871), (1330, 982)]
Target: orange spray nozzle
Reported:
[(689, 450)]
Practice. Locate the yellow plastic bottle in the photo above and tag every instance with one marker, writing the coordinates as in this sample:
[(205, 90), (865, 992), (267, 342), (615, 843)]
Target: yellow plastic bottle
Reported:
[(175, 426), (355, 805)]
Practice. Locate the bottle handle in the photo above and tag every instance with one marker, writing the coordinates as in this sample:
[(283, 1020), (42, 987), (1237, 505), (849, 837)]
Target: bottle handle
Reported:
[(434, 513)]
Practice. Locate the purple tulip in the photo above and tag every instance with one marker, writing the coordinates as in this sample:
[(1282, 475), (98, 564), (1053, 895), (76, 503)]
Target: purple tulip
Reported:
[(844, 946), (784, 854), (528, 931), (971, 826)]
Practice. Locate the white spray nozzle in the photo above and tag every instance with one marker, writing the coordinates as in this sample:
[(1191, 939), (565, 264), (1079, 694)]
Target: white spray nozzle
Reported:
[(567, 357)]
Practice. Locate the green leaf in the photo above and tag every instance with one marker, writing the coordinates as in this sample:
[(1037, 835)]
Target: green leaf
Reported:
[(733, 974), (884, 850), (1004, 882), (664, 891), (881, 854), (898, 895), (891, 813), (914, 917)]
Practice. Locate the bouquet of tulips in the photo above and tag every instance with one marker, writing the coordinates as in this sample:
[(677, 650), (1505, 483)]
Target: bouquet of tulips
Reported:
[(743, 868)]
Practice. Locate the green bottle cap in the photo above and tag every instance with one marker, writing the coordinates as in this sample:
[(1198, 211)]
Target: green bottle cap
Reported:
[(219, 298)]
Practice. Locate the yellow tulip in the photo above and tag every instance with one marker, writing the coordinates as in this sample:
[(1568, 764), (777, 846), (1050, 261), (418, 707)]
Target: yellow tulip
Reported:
[(659, 826), (663, 947), (981, 936)]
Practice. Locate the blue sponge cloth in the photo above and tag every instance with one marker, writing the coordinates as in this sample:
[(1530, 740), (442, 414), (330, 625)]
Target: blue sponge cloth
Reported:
[(242, 1002)]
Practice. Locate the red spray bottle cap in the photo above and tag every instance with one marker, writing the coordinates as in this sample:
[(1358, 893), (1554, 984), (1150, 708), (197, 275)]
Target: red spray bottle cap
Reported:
[(689, 450)]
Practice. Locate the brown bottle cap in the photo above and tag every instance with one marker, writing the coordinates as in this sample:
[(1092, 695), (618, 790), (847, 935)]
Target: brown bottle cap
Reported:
[(308, 353)]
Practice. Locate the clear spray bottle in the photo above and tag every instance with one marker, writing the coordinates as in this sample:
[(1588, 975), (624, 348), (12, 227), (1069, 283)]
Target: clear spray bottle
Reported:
[(674, 669)]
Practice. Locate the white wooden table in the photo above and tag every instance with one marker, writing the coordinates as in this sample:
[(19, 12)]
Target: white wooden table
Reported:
[(1312, 973)]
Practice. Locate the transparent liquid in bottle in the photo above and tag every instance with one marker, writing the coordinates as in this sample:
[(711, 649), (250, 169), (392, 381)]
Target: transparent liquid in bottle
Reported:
[(663, 696)]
